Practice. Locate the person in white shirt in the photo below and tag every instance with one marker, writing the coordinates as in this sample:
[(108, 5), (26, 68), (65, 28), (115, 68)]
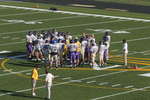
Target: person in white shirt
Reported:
[(102, 48), (125, 51), (49, 78), (83, 48), (107, 40), (93, 50), (54, 57)]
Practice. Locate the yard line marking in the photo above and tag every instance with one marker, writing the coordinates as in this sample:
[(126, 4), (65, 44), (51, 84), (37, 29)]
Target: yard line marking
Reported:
[(110, 67), (75, 81), (103, 83), (116, 85), (91, 82), (66, 78), (21, 14), (77, 13), (28, 73), (130, 86), (120, 93), (132, 40), (2, 52), (12, 73), (42, 75)]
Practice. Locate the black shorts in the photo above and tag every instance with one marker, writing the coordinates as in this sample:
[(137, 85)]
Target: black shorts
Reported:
[(54, 53)]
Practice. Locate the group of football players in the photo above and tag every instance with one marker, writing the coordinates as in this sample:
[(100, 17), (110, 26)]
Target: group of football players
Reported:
[(59, 48)]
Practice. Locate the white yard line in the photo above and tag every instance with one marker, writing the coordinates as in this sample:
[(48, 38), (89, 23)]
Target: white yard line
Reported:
[(12, 73), (66, 78), (110, 67), (90, 82), (115, 85), (130, 86), (120, 93), (103, 83), (145, 38), (77, 13)]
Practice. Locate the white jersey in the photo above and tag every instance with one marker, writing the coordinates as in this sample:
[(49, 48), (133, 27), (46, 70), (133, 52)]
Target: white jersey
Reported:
[(28, 39), (41, 42), (84, 44), (49, 78), (60, 46), (54, 48), (94, 49), (102, 49), (72, 47), (125, 47), (34, 38)]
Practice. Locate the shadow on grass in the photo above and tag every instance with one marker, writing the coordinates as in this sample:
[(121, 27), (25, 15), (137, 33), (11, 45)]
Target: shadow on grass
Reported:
[(19, 94)]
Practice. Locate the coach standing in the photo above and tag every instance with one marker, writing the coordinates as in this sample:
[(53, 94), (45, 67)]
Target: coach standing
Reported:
[(49, 78), (34, 77)]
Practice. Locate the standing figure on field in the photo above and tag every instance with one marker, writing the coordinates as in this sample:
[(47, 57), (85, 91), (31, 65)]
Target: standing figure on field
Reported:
[(34, 77), (107, 40), (49, 78), (125, 51)]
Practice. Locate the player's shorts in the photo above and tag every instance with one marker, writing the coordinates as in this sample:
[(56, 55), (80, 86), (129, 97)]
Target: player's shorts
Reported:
[(77, 55), (29, 48), (49, 84), (54, 53), (33, 83), (73, 55)]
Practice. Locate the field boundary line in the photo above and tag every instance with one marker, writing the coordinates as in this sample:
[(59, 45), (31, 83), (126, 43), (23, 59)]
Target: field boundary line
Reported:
[(120, 93), (77, 13)]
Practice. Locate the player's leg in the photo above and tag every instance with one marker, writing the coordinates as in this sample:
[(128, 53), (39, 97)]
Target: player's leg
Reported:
[(33, 87), (125, 59)]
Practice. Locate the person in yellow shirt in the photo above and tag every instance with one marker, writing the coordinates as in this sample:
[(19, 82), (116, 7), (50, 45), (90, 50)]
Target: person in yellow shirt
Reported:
[(34, 77), (78, 51)]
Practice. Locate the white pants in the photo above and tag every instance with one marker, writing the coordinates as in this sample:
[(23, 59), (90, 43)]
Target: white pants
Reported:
[(48, 86)]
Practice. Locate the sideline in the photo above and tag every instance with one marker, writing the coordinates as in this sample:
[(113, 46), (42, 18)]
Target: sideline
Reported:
[(77, 13)]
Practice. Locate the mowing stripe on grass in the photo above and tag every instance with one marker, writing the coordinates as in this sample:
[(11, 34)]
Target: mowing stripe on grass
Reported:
[(27, 13), (120, 93), (77, 13), (61, 27), (48, 19), (24, 90)]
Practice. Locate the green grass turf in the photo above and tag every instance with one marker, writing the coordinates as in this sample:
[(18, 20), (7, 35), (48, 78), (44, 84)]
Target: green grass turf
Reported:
[(12, 38), (134, 2)]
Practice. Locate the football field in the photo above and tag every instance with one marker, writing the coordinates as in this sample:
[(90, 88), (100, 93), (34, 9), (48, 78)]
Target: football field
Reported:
[(82, 83)]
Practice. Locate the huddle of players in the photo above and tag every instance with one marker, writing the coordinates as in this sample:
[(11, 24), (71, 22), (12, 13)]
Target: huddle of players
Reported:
[(55, 48)]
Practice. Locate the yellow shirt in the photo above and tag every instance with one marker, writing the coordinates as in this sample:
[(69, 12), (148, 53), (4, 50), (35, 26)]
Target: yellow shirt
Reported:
[(79, 46), (35, 74)]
